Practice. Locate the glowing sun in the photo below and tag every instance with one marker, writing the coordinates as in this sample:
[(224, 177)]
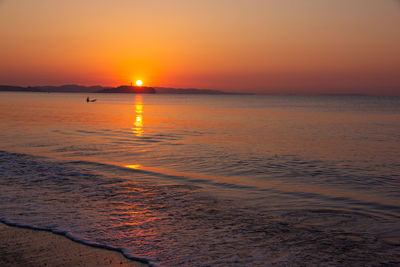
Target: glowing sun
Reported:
[(139, 83)]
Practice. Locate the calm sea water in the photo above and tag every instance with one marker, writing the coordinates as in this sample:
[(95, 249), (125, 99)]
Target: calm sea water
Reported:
[(200, 180)]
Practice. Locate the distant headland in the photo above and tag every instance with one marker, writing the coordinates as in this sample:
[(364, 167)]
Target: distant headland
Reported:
[(129, 89), (73, 88)]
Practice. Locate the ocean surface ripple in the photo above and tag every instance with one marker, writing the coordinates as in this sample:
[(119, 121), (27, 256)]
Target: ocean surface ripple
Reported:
[(208, 180), (182, 224)]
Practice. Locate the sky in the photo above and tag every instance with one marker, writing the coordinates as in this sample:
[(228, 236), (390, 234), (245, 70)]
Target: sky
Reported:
[(258, 46)]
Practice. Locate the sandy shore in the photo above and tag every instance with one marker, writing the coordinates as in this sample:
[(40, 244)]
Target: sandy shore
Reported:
[(26, 247)]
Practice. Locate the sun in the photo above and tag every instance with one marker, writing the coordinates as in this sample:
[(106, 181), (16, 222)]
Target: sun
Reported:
[(139, 83)]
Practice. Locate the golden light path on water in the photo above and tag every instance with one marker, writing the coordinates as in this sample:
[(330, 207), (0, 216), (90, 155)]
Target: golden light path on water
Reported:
[(138, 122)]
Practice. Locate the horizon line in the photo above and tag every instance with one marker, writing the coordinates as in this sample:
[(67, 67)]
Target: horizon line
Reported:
[(203, 89)]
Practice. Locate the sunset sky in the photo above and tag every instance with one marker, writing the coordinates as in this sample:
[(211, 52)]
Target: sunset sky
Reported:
[(265, 46)]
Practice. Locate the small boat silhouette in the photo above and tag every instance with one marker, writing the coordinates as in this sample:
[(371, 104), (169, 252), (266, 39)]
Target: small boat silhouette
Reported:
[(93, 100)]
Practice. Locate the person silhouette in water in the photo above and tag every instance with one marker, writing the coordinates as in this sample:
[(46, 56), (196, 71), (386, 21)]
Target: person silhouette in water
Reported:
[(87, 99)]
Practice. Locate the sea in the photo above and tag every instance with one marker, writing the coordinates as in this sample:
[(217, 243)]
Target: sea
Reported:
[(207, 180)]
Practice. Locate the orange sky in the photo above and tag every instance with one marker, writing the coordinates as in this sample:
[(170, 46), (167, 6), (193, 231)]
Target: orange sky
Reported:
[(280, 46)]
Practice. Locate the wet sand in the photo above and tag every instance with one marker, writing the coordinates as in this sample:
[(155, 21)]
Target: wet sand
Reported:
[(27, 247)]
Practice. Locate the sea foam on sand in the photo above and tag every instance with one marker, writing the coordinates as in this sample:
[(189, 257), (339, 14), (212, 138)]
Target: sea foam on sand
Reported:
[(27, 247)]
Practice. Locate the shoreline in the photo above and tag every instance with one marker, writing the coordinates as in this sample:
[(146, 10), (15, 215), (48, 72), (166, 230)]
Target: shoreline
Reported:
[(23, 246)]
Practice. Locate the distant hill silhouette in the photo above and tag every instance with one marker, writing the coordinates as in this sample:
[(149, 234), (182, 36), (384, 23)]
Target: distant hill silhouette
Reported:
[(166, 90), (68, 88), (129, 89), (73, 88), (19, 88)]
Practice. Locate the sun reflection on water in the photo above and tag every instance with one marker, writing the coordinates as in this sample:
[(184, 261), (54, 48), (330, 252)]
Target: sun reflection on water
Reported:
[(135, 166), (138, 123)]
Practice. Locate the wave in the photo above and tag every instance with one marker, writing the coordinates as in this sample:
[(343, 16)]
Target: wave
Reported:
[(250, 187), (170, 219)]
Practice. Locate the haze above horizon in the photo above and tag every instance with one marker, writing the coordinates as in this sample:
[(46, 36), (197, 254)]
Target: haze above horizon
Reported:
[(254, 46)]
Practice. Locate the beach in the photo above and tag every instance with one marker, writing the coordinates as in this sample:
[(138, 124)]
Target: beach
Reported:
[(28, 247), (200, 133)]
